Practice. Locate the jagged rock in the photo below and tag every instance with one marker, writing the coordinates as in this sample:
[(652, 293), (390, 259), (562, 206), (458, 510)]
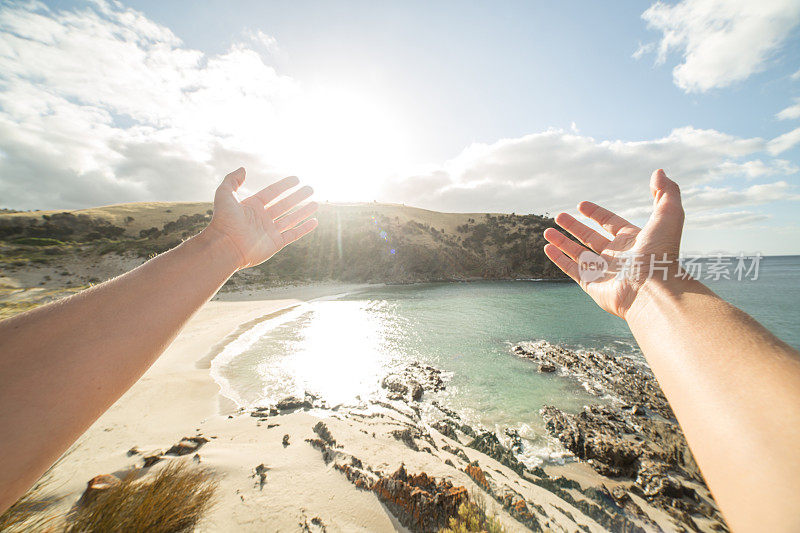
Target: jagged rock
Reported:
[(97, 485), (516, 440), (407, 436), (292, 403), (602, 373), (477, 474), (187, 445), (489, 444), (416, 390), (412, 382), (446, 428), (458, 452), (395, 383), (420, 502), (547, 367), (324, 433), (648, 450), (285, 440)]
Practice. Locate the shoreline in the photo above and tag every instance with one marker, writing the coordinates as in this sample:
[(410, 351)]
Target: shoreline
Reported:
[(325, 465)]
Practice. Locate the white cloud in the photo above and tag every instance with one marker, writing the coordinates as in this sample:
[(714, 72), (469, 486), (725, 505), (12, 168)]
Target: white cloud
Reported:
[(791, 112), (99, 104), (734, 219), (551, 171), (721, 41), (784, 142)]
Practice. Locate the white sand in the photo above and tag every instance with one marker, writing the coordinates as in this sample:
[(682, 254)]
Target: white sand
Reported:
[(177, 398)]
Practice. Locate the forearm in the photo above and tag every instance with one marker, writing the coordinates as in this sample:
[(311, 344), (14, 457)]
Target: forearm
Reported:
[(735, 389), (63, 365)]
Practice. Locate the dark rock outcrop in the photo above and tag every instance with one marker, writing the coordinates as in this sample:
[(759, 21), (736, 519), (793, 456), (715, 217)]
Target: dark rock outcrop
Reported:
[(187, 445), (410, 383), (420, 502), (630, 381)]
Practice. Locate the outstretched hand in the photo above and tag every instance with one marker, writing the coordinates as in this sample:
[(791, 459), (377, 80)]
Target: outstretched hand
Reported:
[(258, 227), (647, 250)]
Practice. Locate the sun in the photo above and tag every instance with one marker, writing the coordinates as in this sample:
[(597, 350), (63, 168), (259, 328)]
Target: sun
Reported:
[(347, 142)]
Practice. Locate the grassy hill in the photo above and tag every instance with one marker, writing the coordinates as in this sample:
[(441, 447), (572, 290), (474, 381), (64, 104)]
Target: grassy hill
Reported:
[(354, 242)]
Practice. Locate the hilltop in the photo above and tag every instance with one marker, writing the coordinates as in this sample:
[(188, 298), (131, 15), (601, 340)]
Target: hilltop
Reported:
[(365, 242)]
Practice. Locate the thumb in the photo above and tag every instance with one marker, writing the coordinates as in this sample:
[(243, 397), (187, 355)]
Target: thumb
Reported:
[(666, 222), (232, 181)]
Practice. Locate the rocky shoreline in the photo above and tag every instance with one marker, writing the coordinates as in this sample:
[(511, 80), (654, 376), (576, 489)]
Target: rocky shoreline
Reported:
[(422, 460)]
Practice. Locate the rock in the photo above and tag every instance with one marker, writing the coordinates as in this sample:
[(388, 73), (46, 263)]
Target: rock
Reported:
[(547, 367), (477, 474), (603, 374), (324, 433), (395, 383), (292, 403), (97, 485), (411, 383), (420, 502), (285, 441), (187, 445), (261, 473), (407, 436), (458, 452), (446, 428), (416, 391), (152, 458), (489, 444), (133, 451)]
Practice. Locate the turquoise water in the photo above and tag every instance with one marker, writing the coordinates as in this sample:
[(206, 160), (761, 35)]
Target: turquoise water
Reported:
[(341, 347)]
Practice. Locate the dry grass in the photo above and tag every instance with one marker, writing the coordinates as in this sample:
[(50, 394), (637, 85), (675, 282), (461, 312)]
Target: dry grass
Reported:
[(172, 500)]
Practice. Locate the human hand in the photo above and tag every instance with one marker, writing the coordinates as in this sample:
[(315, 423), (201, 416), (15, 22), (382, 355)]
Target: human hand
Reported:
[(253, 229), (655, 246)]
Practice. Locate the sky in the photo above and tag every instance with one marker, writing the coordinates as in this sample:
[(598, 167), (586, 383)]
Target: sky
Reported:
[(525, 107)]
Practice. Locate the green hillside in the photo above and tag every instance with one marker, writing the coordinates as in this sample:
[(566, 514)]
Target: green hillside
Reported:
[(354, 242)]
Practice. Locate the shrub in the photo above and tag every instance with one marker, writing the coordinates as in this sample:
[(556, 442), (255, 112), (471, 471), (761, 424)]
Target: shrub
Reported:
[(38, 241), (472, 517), (171, 501)]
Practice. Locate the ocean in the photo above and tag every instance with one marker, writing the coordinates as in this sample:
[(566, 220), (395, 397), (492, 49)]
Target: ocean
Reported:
[(340, 347)]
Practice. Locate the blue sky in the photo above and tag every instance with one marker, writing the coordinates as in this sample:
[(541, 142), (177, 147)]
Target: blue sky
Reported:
[(519, 106)]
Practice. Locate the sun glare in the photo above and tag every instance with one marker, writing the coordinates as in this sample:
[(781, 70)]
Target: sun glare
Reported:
[(347, 142)]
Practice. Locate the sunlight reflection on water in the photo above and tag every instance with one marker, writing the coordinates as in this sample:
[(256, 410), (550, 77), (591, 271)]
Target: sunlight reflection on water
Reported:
[(340, 353)]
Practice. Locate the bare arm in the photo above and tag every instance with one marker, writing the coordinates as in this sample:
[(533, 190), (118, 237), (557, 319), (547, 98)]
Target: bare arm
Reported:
[(64, 364), (734, 386)]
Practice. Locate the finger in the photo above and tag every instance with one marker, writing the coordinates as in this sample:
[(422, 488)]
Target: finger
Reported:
[(568, 246), (229, 184), (582, 232), (567, 265), (295, 217), (665, 192), (270, 192), (289, 236), (289, 202), (610, 221), (667, 218)]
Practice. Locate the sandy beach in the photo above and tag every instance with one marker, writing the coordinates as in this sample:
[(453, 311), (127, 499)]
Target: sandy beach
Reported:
[(320, 465)]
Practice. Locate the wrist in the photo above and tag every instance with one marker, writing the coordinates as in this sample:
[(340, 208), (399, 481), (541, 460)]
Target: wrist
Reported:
[(220, 249), (653, 292)]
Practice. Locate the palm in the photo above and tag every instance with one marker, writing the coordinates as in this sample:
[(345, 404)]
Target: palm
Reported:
[(256, 226), (632, 255)]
